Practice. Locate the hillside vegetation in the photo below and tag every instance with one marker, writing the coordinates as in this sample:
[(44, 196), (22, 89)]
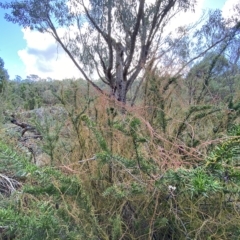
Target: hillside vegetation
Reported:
[(165, 168)]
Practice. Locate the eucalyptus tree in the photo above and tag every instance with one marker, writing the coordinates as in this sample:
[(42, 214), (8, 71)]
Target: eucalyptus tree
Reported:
[(3, 76), (113, 38)]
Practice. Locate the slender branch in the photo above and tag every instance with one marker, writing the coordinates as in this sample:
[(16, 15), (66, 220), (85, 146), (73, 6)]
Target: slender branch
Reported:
[(200, 55), (140, 15), (109, 42), (58, 39)]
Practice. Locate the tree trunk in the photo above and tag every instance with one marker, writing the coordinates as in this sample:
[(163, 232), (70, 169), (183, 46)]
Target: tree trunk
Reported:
[(121, 84)]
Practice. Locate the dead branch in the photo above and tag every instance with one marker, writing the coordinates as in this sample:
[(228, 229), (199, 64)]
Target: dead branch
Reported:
[(26, 127)]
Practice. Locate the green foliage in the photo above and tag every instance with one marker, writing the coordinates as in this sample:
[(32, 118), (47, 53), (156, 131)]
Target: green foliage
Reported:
[(185, 193), (42, 208), (50, 129), (155, 98), (14, 163), (99, 137), (195, 182), (3, 76), (116, 228), (29, 95), (123, 192)]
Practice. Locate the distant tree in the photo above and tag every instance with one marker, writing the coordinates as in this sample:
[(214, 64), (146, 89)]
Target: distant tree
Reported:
[(205, 74), (3, 76), (18, 78), (33, 78)]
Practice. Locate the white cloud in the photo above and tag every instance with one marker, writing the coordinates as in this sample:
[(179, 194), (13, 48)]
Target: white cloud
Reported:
[(185, 18), (231, 9), (45, 58)]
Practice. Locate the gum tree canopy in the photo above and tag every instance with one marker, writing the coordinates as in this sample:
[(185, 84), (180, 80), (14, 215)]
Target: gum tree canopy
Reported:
[(113, 38)]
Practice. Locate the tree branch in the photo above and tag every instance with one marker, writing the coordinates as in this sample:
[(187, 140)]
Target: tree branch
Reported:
[(140, 15), (58, 39)]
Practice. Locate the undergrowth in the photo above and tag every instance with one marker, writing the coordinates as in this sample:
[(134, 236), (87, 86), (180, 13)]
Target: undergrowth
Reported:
[(119, 172), (135, 200)]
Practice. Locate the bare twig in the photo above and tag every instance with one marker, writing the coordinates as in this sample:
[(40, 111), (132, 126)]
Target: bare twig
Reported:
[(86, 160)]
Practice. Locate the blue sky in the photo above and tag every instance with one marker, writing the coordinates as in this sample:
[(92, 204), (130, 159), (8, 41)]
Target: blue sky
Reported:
[(13, 39)]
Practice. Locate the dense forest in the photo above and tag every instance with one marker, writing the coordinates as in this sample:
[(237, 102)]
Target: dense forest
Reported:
[(149, 150)]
